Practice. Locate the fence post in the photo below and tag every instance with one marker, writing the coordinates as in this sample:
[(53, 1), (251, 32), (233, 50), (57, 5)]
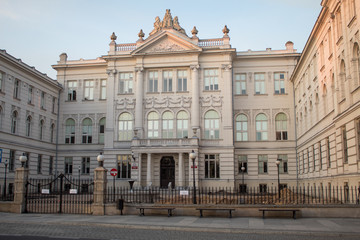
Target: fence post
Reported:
[(21, 177), (100, 184)]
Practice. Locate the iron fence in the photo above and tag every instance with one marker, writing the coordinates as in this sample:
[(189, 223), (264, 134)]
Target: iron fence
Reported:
[(7, 191), (229, 196)]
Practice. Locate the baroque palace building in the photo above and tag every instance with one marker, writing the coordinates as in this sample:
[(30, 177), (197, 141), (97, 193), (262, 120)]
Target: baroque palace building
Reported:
[(147, 105)]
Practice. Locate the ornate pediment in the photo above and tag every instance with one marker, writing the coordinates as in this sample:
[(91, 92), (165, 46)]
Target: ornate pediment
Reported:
[(167, 23), (166, 45)]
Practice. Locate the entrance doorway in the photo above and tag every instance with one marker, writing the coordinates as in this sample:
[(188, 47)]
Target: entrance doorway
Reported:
[(167, 172)]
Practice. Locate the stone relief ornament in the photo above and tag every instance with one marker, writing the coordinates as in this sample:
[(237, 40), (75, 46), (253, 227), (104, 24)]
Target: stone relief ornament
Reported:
[(166, 46), (167, 22), (168, 102), (125, 103), (211, 101)]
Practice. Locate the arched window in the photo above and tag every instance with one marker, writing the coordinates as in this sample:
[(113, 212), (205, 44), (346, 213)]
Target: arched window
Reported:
[(167, 125), (41, 129), (261, 127), (241, 128), (281, 126), (102, 130), (14, 117), (70, 131), (153, 125), (182, 124), (212, 123), (125, 127), (52, 133), (28, 126), (87, 131)]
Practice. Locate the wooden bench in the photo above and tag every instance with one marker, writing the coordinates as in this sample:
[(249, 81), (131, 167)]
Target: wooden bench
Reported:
[(279, 210), (216, 209), (142, 209)]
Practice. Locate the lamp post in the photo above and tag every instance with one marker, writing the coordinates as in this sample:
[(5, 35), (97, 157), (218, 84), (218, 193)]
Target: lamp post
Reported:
[(193, 157), (278, 170), (23, 160), (100, 159), (6, 164)]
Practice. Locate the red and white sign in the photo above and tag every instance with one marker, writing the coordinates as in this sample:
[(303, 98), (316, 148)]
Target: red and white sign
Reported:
[(193, 166), (113, 172)]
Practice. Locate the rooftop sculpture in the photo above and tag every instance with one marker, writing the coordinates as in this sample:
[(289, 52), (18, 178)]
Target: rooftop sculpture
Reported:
[(166, 23)]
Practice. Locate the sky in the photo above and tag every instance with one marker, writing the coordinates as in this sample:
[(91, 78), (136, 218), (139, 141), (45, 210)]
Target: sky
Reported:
[(38, 31)]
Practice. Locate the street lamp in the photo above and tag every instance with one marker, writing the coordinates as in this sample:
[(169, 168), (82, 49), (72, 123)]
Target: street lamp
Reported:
[(193, 157), (100, 159), (278, 170), (23, 160), (6, 164)]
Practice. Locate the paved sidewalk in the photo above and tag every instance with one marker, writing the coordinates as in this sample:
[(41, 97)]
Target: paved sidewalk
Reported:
[(190, 223)]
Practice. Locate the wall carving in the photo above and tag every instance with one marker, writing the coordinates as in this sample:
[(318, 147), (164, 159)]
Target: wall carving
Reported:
[(166, 46), (168, 102), (125, 103), (211, 101)]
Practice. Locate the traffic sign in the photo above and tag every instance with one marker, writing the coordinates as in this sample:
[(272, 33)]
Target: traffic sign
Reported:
[(113, 172)]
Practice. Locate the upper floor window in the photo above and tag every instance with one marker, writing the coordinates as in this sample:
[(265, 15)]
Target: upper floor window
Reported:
[(153, 81), (182, 124), (338, 23), (167, 81), (182, 80), (53, 104), (14, 117), (261, 127), (102, 130), (211, 81), (103, 89), (52, 133), (70, 131), (279, 81), (2, 77), (153, 125), (168, 125), (259, 79), (212, 125), (17, 88), (125, 127), (30, 94), (89, 90), (240, 84), (87, 131), (28, 126), (41, 129), (125, 83), (72, 86), (281, 126), (42, 102), (241, 128)]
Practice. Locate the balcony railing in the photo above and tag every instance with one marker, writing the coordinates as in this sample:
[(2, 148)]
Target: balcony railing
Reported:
[(125, 47), (164, 142), (210, 43)]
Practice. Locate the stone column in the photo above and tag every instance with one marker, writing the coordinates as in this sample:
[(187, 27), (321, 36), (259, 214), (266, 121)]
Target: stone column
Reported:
[(148, 170), (100, 183), (139, 101), (227, 118), (110, 91), (21, 177), (195, 104), (181, 170)]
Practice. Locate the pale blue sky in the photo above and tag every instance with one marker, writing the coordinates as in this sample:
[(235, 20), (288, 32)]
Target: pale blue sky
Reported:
[(38, 31)]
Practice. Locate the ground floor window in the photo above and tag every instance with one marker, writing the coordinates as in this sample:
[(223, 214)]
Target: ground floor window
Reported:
[(68, 165), (212, 166), (124, 166), (263, 188), (85, 165)]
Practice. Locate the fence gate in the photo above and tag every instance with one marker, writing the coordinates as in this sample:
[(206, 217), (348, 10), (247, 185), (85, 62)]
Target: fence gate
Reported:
[(62, 194)]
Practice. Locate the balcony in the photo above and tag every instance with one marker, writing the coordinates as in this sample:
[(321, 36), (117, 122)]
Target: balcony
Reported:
[(171, 142)]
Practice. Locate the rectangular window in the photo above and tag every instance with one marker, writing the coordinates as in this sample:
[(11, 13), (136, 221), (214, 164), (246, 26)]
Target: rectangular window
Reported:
[(242, 163), (240, 84), (51, 165), (259, 79), (211, 81), (30, 95), (279, 81), (330, 41), (322, 57), (53, 104), (2, 77), (263, 163), (283, 167), (88, 90), (103, 89), (68, 165), (153, 81), (328, 152), (338, 23), (39, 164), (344, 143), (212, 166), (42, 102), (124, 166), (313, 158), (125, 83), (85, 165), (182, 81), (308, 159), (17, 88), (12, 160), (167, 81), (320, 156), (72, 86)]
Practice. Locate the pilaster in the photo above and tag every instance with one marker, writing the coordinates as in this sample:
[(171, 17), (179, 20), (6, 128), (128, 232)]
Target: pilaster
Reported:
[(110, 90), (195, 105), (139, 101)]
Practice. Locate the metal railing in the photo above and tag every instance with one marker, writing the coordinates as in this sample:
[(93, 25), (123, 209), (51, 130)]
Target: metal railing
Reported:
[(230, 196)]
